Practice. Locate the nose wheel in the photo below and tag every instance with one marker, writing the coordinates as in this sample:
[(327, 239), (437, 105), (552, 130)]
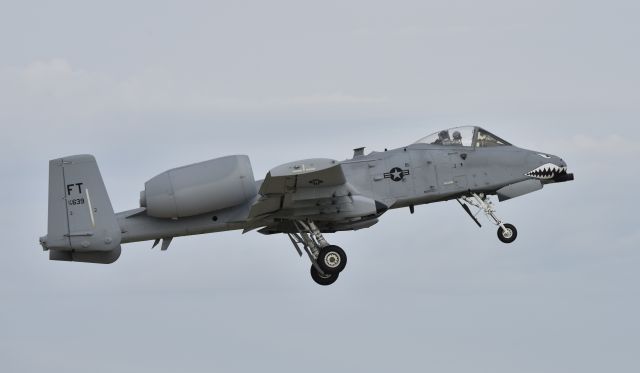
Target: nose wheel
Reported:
[(507, 233)]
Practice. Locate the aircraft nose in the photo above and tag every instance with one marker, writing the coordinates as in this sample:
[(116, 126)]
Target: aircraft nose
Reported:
[(560, 161), (543, 158), (547, 168)]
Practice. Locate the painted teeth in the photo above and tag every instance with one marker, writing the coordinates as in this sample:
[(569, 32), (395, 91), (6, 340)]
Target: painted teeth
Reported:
[(547, 171)]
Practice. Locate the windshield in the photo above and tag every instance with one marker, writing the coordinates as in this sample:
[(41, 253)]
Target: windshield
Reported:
[(463, 136), (460, 136), (486, 139)]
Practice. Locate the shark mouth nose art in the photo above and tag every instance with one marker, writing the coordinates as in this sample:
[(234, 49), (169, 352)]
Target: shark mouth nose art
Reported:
[(547, 171)]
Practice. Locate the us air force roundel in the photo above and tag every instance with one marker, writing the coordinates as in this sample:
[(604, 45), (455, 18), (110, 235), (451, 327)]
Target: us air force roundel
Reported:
[(397, 174)]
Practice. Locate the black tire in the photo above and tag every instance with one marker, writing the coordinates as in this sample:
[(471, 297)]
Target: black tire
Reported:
[(332, 259), (323, 280), (508, 236)]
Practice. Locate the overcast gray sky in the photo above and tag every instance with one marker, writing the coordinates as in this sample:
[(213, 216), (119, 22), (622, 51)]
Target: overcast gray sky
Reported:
[(150, 85)]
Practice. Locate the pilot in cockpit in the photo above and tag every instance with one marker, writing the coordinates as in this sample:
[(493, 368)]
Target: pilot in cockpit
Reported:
[(457, 138), (443, 138)]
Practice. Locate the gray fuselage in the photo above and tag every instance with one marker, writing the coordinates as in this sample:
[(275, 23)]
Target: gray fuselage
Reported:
[(409, 176)]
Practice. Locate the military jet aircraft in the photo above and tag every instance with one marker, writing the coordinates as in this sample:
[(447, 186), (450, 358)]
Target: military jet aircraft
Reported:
[(303, 199)]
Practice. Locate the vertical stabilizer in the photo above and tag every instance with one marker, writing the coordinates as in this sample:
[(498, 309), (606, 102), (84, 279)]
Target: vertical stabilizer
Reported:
[(82, 224)]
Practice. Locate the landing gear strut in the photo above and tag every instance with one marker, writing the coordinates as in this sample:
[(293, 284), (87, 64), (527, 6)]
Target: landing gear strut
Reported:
[(507, 233), (327, 261)]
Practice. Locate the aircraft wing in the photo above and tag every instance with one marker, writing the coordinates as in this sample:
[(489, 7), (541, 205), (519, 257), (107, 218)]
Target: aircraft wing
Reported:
[(313, 188)]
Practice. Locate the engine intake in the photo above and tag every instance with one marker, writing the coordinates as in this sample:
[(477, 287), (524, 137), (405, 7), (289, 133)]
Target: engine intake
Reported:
[(200, 188)]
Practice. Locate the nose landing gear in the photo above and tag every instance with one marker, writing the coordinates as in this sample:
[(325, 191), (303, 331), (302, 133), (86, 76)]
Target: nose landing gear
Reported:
[(507, 233), (327, 261)]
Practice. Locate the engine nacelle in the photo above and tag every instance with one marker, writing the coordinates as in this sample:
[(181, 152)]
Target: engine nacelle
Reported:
[(200, 188)]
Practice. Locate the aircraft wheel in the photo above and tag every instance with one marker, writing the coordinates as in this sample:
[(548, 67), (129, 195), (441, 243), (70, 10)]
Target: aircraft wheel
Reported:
[(332, 259), (509, 235), (324, 280)]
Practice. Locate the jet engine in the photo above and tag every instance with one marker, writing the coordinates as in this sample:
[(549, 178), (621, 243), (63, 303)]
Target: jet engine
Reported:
[(200, 188)]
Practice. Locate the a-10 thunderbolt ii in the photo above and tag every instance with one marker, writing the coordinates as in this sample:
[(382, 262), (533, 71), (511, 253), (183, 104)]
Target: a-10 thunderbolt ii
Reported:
[(302, 199)]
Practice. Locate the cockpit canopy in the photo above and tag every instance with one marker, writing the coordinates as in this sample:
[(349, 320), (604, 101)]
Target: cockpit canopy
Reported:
[(464, 136)]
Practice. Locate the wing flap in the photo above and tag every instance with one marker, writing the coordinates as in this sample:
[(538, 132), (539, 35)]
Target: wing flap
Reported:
[(265, 206)]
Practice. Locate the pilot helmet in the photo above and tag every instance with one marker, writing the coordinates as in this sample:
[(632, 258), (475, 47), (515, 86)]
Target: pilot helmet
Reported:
[(457, 135), (443, 135)]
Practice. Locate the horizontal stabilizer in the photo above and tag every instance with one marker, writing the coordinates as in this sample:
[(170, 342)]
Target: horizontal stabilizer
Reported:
[(97, 257)]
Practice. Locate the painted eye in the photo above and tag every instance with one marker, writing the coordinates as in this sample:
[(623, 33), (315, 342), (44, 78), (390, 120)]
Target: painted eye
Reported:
[(544, 156)]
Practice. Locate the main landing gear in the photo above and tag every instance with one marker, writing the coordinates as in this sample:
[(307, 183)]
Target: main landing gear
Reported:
[(327, 261), (507, 233)]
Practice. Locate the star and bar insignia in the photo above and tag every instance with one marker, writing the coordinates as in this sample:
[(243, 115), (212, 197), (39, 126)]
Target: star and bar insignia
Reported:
[(397, 174)]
